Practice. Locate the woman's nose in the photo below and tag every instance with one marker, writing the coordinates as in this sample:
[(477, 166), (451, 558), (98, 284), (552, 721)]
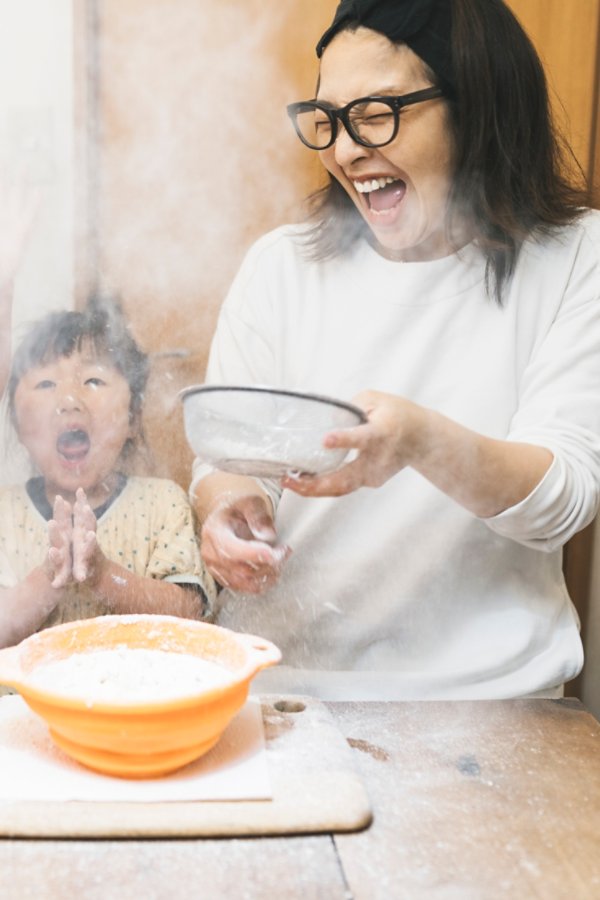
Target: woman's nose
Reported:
[(346, 149)]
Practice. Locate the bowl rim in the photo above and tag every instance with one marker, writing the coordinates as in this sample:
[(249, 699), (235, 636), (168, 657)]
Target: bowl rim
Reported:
[(58, 701), (193, 389), (253, 644)]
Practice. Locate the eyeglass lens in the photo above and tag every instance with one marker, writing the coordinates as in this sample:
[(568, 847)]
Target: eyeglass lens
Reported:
[(373, 122)]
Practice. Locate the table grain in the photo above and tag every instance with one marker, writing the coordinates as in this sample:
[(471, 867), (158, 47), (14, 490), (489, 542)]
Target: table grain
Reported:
[(476, 800)]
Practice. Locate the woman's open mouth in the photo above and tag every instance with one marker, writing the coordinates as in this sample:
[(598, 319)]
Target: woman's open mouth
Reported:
[(382, 194), (73, 445)]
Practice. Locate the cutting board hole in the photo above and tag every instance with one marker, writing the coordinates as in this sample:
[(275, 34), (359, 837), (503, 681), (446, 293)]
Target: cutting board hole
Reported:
[(290, 706)]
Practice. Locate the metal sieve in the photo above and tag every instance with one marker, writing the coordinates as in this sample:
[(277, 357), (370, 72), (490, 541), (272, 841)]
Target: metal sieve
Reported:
[(265, 431)]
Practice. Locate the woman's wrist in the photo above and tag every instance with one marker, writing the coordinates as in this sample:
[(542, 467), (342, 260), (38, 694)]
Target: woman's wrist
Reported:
[(421, 440)]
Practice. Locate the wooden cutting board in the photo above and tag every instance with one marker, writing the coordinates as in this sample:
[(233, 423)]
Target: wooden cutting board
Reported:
[(316, 788)]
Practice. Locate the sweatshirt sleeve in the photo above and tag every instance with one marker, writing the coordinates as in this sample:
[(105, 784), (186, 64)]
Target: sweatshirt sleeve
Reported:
[(563, 503), (559, 408)]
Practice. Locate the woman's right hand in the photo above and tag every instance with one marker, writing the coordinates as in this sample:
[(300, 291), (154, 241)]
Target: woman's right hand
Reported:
[(239, 545)]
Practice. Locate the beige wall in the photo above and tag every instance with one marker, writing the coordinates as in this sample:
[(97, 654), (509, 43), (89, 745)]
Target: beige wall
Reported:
[(36, 140), (566, 34)]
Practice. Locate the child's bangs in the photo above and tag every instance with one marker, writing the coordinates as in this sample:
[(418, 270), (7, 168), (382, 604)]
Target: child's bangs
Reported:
[(97, 333), (62, 337)]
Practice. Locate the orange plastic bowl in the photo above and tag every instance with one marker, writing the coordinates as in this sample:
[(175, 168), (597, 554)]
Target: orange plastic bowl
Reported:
[(128, 738)]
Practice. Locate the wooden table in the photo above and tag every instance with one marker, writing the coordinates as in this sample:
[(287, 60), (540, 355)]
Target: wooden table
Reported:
[(475, 800)]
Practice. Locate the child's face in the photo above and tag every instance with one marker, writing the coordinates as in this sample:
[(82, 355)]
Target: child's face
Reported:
[(72, 416)]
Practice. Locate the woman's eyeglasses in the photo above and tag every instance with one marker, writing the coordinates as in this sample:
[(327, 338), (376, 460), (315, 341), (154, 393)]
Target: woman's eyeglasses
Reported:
[(370, 121)]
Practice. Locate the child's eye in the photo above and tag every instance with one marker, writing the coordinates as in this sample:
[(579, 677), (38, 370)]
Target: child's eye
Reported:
[(44, 384), (95, 381)]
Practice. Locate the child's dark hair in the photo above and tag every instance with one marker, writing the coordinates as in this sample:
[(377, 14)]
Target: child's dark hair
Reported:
[(101, 326)]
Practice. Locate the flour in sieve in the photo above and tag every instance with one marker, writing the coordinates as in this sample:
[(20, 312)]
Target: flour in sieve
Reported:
[(129, 675)]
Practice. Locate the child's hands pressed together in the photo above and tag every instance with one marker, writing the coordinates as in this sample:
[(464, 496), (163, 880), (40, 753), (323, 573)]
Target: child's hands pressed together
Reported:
[(87, 555), (60, 537), (73, 553)]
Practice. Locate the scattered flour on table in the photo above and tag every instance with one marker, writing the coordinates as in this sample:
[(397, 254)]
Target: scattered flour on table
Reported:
[(129, 675)]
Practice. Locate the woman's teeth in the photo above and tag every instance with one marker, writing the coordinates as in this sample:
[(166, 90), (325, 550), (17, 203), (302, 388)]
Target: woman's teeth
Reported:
[(374, 184)]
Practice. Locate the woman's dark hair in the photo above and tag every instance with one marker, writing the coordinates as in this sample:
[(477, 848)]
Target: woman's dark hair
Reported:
[(512, 166), (101, 325)]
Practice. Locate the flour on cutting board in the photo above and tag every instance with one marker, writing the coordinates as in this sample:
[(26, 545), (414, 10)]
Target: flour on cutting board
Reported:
[(32, 767)]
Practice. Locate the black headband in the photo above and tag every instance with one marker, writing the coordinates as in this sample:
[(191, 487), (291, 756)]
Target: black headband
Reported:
[(425, 25)]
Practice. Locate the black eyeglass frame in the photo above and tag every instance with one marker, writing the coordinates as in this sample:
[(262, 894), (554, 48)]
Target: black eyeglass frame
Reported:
[(342, 114)]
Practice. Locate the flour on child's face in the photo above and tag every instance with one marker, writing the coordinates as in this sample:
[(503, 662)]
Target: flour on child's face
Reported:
[(72, 417)]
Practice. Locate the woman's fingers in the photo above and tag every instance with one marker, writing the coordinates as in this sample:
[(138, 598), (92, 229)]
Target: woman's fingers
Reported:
[(383, 446), (350, 438), (243, 565), (238, 546), (345, 480)]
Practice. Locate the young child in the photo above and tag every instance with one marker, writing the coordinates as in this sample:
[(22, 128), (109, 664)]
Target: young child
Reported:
[(82, 538)]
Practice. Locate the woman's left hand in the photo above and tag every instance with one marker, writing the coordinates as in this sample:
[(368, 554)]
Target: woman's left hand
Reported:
[(485, 475), (385, 444)]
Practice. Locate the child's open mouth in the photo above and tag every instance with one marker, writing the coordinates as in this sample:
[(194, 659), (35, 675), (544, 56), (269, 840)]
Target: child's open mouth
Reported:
[(73, 445)]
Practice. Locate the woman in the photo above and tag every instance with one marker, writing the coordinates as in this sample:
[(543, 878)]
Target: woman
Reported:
[(450, 268)]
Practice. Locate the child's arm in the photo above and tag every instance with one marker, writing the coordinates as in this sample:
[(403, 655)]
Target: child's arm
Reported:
[(120, 589), (25, 607), (125, 592)]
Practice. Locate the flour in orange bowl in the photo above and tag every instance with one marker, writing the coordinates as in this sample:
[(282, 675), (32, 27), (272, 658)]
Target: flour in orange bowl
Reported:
[(125, 675)]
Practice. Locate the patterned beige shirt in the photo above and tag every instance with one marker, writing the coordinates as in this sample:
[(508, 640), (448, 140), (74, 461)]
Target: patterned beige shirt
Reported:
[(148, 529)]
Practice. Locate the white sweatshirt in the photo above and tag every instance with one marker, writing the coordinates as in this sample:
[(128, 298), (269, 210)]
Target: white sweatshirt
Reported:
[(398, 592)]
